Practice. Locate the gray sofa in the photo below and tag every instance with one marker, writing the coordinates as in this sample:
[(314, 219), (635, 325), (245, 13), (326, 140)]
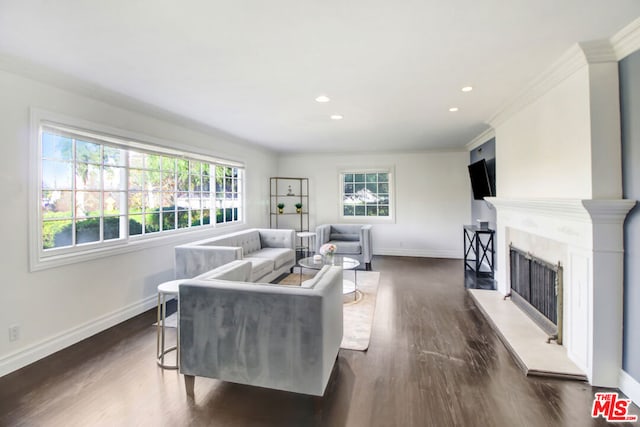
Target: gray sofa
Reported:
[(352, 240), (271, 253), (274, 336)]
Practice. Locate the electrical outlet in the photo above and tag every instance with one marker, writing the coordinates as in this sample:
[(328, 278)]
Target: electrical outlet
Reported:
[(14, 332)]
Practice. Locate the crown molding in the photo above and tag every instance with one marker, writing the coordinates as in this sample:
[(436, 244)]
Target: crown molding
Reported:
[(627, 40), (480, 139), (575, 58), (598, 51)]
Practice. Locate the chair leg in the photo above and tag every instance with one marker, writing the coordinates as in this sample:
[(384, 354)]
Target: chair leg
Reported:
[(368, 266), (189, 385)]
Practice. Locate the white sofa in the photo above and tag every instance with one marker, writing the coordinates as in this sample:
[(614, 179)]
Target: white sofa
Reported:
[(271, 253), (274, 336)]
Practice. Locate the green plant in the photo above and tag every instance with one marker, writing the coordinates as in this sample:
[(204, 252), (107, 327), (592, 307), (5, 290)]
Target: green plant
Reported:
[(88, 230), (281, 206), (298, 205)]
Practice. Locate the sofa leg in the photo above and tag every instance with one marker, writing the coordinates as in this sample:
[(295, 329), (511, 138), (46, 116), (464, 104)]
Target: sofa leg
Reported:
[(189, 385)]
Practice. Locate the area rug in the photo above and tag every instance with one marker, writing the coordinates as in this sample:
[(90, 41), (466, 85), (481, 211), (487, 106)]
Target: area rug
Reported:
[(358, 312), (357, 315)]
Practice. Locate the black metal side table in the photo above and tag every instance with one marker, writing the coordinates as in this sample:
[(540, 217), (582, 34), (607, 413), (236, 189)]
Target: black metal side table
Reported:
[(479, 253)]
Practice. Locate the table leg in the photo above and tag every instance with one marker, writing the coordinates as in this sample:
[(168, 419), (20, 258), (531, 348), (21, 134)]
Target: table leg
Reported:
[(355, 282), (158, 326), (164, 316)]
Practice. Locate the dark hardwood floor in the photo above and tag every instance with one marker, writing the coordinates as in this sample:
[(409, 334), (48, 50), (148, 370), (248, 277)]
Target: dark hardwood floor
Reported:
[(433, 361)]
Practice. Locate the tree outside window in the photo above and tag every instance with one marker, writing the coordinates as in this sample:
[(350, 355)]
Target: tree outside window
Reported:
[(366, 193), (94, 191)]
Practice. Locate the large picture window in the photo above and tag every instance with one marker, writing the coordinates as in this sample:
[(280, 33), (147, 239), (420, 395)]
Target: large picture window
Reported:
[(366, 193), (95, 191)]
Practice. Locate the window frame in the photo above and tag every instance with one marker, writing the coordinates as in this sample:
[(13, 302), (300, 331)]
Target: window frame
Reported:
[(40, 258), (390, 170)]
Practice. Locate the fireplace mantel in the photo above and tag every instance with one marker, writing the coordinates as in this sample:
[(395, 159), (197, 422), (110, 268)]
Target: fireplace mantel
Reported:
[(592, 210), (591, 230)]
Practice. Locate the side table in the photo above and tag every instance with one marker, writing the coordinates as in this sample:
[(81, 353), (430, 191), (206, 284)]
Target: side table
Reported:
[(478, 250), (311, 240), (165, 289)]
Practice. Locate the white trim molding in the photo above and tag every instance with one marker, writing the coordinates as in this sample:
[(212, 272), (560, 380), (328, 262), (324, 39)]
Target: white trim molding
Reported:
[(608, 211), (578, 56), (627, 40), (591, 210), (480, 139), (568, 208), (48, 346), (630, 386), (420, 253)]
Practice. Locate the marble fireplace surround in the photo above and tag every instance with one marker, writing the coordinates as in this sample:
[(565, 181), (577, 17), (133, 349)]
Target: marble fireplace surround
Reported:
[(586, 236)]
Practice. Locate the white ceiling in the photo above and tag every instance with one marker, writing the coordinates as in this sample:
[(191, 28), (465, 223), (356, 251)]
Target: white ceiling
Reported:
[(252, 68)]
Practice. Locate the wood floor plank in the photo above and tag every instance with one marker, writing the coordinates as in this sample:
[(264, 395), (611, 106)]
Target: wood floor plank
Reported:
[(433, 361)]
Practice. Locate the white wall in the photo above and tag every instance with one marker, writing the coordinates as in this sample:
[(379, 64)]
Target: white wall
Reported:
[(544, 149), (59, 306), (566, 143), (432, 193)]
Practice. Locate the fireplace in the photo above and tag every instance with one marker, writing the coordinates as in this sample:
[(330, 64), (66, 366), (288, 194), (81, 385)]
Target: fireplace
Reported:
[(536, 287), (585, 235)]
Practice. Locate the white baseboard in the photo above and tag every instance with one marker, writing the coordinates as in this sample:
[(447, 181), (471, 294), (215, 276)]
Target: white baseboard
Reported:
[(418, 253), (48, 346), (630, 386)]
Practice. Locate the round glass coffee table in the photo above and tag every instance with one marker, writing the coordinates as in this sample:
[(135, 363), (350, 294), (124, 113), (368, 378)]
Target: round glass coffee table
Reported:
[(347, 263)]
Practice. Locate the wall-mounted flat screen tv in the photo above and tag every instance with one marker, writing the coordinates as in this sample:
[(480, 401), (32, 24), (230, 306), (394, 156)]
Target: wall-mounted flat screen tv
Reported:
[(480, 183)]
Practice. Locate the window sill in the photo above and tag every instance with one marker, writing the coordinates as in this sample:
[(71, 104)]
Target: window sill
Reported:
[(45, 262), (367, 220)]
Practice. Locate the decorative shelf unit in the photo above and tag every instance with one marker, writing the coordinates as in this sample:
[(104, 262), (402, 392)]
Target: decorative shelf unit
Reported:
[(479, 254), (289, 191)]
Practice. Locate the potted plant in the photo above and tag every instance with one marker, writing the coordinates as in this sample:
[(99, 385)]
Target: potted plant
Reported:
[(298, 207), (280, 207)]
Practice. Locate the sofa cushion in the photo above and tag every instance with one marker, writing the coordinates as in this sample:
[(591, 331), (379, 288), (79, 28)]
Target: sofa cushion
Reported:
[(260, 267), (238, 271), (248, 240), (345, 237), (277, 238), (347, 248), (280, 256), (345, 228)]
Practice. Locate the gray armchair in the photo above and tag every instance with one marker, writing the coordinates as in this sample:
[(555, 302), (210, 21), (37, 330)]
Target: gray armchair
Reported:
[(280, 337), (352, 240)]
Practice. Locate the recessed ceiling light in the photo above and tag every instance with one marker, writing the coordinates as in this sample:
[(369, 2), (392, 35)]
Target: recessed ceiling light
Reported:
[(467, 89), (323, 98), (336, 117), (453, 109)]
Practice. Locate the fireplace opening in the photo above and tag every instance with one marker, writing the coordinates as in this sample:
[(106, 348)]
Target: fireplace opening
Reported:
[(536, 287)]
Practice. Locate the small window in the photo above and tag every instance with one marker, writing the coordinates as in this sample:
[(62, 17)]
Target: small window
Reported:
[(366, 194)]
